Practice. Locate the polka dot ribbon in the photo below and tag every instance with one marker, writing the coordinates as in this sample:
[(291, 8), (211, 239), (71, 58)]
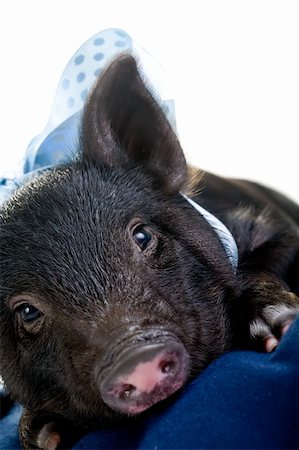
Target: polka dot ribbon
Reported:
[(58, 143)]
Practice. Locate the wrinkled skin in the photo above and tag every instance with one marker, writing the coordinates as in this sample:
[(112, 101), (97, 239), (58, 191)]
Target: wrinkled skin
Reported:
[(69, 253)]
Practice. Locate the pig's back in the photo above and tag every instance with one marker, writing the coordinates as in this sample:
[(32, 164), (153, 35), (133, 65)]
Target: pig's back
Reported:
[(219, 195)]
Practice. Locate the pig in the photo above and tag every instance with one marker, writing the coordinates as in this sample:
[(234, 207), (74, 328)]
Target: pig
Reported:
[(117, 287)]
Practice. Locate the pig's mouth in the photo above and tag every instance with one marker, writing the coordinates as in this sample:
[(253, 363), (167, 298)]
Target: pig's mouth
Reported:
[(143, 375)]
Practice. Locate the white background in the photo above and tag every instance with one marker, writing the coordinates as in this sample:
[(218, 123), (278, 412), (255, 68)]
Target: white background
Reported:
[(232, 66)]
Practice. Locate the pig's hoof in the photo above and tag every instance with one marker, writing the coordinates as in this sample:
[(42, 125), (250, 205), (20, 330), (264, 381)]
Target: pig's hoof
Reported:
[(274, 322), (48, 438)]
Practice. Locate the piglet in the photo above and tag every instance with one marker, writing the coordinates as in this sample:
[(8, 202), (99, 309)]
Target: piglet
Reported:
[(125, 272)]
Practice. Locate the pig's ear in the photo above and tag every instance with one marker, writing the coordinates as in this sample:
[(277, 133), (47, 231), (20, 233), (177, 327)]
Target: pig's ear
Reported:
[(123, 124)]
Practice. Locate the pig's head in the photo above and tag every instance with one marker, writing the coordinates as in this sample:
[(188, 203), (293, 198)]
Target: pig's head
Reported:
[(114, 289)]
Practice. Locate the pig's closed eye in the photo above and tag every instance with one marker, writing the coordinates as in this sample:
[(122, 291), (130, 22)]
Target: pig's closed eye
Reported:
[(142, 237), (28, 313)]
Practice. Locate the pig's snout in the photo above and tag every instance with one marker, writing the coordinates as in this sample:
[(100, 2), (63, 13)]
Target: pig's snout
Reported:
[(142, 376)]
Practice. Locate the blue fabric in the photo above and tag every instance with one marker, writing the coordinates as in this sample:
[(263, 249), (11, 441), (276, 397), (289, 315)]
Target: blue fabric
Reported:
[(9, 437), (242, 400)]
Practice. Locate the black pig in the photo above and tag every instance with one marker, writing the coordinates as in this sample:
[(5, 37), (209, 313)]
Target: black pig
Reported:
[(114, 289)]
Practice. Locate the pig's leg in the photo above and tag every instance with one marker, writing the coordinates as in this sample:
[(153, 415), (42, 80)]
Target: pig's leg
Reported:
[(275, 322), (49, 438), (265, 311), (45, 434), (34, 435)]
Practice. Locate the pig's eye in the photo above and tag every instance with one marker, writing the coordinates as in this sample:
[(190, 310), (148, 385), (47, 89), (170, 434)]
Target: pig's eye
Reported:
[(28, 313), (142, 237)]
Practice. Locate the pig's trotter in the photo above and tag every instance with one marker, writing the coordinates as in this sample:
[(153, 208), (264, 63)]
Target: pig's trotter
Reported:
[(274, 323), (35, 434), (48, 438), (273, 310)]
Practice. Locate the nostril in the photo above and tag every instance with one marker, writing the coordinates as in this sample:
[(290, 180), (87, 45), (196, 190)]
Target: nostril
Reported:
[(126, 392), (167, 366)]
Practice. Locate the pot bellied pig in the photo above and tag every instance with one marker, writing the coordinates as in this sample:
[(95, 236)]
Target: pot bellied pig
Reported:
[(125, 272)]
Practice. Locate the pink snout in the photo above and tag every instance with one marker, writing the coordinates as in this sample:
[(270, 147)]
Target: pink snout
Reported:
[(142, 376)]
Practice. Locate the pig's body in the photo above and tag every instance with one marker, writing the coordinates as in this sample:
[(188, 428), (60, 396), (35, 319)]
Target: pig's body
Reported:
[(115, 290)]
